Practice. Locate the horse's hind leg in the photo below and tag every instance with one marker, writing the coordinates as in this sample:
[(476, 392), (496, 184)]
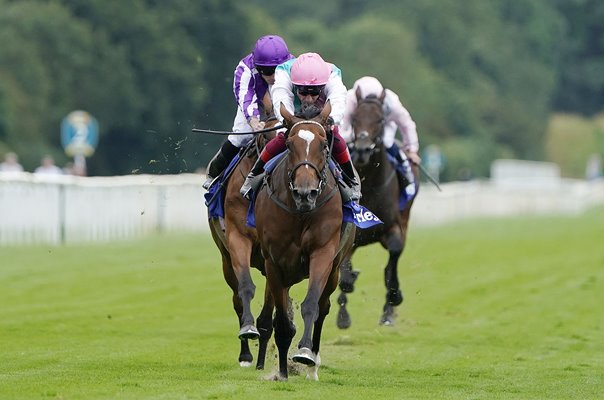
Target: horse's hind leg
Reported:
[(245, 356), (240, 251)]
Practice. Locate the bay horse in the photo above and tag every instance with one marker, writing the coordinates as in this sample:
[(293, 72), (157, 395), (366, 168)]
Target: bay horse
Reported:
[(240, 250), (299, 224), (380, 190)]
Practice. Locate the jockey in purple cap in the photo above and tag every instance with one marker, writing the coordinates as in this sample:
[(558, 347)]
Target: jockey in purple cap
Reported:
[(252, 77)]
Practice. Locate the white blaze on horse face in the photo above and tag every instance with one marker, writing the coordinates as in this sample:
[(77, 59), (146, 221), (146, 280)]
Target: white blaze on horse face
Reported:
[(308, 136)]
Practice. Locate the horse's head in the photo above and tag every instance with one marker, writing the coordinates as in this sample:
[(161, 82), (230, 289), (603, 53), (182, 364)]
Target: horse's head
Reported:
[(367, 126), (268, 116), (307, 154)]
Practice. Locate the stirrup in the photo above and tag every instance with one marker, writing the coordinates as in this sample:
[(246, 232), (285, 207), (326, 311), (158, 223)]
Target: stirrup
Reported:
[(251, 185), (350, 191), (208, 183)]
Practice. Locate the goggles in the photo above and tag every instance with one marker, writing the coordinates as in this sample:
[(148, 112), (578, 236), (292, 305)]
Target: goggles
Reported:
[(265, 70), (309, 90)]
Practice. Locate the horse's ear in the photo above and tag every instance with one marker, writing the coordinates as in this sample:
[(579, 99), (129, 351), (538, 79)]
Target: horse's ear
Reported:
[(358, 94), (287, 117), (383, 96), (325, 112)]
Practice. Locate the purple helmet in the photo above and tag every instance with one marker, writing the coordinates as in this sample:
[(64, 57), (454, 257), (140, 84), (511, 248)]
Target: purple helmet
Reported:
[(270, 51)]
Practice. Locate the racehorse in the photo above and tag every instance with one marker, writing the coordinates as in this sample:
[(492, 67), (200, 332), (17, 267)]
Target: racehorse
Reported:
[(240, 250), (299, 224), (380, 193)]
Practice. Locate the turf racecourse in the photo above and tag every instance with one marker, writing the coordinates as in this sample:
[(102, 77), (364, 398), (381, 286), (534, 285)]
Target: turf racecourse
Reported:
[(494, 309)]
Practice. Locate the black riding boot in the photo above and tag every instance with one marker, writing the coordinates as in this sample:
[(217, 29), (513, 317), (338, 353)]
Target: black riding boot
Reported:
[(220, 161), (253, 179), (350, 178), (405, 173)]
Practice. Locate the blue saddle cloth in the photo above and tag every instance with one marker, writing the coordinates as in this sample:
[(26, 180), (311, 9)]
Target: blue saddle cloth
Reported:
[(215, 195), (352, 211)]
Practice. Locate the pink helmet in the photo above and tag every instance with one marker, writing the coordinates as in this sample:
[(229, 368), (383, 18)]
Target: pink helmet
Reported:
[(270, 51), (309, 69)]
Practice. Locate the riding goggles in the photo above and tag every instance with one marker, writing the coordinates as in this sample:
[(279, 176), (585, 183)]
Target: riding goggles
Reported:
[(309, 90), (265, 70)]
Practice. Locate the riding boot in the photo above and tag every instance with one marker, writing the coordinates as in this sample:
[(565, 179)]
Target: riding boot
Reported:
[(405, 173), (253, 179), (354, 185), (220, 161)]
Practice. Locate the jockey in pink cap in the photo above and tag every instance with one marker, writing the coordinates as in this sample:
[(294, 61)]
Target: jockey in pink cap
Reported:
[(252, 77), (307, 79)]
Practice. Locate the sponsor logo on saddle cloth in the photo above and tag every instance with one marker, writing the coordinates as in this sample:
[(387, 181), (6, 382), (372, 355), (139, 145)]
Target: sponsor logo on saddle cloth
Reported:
[(359, 215)]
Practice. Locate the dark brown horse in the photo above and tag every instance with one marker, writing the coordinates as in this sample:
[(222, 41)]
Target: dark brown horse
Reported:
[(380, 188), (240, 250), (299, 224)]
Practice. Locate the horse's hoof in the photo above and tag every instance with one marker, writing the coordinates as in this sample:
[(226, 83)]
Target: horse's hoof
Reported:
[(249, 332), (245, 364), (343, 321), (305, 356), (388, 318)]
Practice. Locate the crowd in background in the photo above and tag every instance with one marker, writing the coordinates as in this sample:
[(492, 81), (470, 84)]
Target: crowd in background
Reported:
[(47, 166)]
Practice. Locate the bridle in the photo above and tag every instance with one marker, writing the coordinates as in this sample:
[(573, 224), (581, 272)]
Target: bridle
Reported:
[(320, 172), (380, 125)]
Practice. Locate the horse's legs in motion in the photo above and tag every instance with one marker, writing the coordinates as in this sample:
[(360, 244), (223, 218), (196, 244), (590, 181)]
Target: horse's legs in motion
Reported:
[(245, 356), (265, 326), (324, 306), (320, 273), (283, 324), (347, 278), (395, 243), (241, 251)]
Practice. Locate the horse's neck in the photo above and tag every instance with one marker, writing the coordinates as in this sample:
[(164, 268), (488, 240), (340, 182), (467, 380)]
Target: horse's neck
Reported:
[(379, 166)]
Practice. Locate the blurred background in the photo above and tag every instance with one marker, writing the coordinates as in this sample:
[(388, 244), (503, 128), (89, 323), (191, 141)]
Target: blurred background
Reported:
[(483, 79)]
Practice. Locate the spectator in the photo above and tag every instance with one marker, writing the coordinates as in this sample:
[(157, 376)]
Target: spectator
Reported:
[(11, 163), (47, 166)]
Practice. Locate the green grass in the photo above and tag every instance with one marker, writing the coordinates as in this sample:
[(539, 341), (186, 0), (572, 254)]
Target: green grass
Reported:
[(494, 309)]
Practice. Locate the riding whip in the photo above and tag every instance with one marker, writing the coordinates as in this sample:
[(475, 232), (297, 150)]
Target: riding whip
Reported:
[(430, 177), (196, 130)]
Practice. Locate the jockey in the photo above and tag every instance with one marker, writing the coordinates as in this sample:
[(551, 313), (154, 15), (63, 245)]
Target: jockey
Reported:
[(253, 76), (396, 117), (307, 79)]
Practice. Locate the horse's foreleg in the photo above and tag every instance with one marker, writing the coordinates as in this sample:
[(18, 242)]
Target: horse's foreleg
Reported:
[(394, 296), (240, 249), (347, 278), (283, 324), (265, 326), (324, 306), (320, 271)]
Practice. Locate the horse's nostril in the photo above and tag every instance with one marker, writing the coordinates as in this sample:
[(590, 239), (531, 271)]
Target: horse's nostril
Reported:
[(314, 193)]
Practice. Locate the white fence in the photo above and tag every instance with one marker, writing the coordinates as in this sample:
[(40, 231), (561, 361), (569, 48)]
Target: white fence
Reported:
[(67, 209)]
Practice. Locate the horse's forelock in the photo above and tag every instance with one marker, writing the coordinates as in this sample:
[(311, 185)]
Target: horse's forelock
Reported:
[(308, 111)]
